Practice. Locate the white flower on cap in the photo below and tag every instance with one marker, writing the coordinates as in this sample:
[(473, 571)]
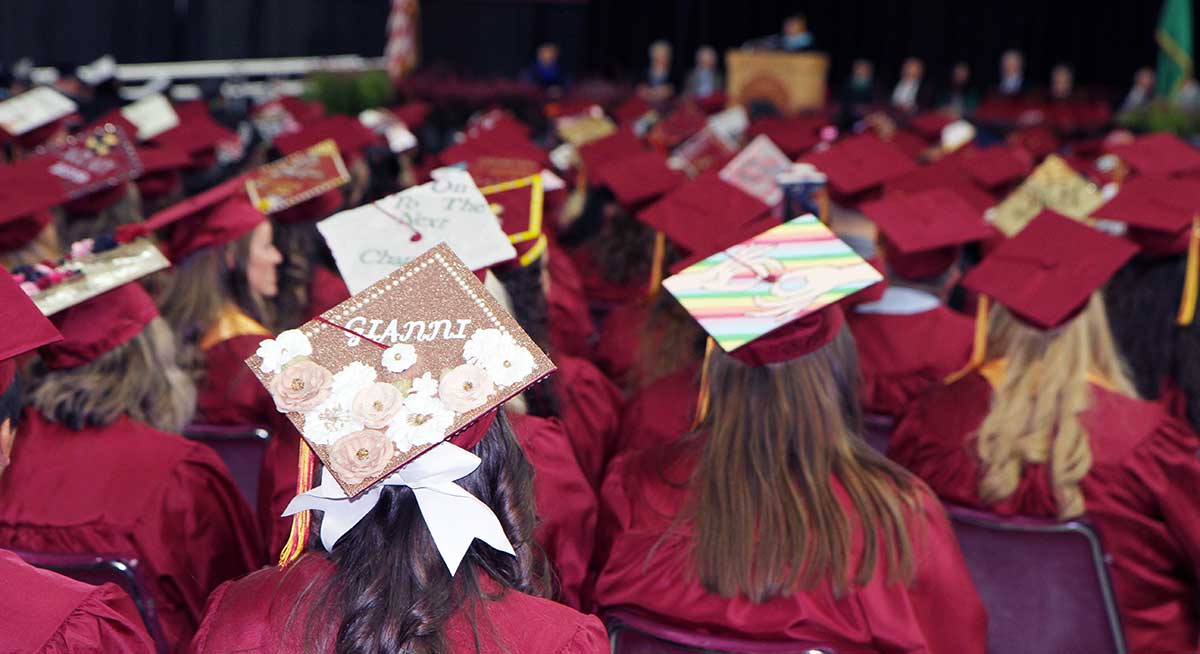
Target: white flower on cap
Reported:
[(423, 421), (277, 352), (499, 355), (399, 357)]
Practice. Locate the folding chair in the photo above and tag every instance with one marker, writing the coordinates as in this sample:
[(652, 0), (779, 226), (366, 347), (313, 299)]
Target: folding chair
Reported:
[(241, 447), (631, 632)]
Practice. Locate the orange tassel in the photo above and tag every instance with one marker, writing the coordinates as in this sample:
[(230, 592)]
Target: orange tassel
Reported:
[(979, 349), (1191, 280), (656, 265), (702, 399), (300, 522)]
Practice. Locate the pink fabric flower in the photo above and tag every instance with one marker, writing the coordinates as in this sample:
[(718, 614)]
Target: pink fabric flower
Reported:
[(363, 455), (80, 249), (301, 386), (465, 387), (376, 405)]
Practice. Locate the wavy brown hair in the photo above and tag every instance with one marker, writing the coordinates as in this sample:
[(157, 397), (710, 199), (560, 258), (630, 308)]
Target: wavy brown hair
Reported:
[(44, 247), (139, 378), (301, 246), (1035, 411), (200, 288), (671, 340), (392, 593), (767, 520)]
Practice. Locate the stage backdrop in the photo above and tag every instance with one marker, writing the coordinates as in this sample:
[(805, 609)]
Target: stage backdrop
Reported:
[(1106, 41)]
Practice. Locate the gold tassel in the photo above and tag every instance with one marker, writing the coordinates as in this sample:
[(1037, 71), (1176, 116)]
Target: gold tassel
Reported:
[(656, 265), (300, 522), (823, 207), (1191, 279), (979, 349), (702, 398)]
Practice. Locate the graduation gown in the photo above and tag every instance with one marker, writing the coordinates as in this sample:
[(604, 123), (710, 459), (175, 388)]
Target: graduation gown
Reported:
[(661, 411), (230, 394), (131, 490), (569, 319), (46, 613), (1140, 494), (590, 409), (566, 503), (905, 345), (650, 567), (326, 290), (250, 616), (619, 347)]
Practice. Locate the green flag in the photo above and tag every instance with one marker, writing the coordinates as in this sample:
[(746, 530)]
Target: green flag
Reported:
[(1174, 37)]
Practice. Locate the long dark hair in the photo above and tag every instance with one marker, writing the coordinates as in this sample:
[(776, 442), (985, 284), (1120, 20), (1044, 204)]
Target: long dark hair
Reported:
[(623, 249), (302, 248), (528, 297), (392, 593), (1142, 301)]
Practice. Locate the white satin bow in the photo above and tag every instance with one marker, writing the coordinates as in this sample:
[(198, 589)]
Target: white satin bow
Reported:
[(455, 517)]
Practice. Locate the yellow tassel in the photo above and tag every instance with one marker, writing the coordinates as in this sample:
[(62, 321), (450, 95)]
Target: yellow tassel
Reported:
[(300, 522), (702, 399), (656, 265), (979, 349), (1191, 280), (823, 207)]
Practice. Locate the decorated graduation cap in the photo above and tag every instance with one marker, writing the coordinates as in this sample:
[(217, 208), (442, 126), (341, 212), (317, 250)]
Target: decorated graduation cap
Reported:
[(216, 217), (302, 186), (1053, 185), (26, 329), (519, 204), (371, 241), (1044, 275), (1163, 215), (35, 115), (860, 163), (921, 233), (770, 298), (756, 168), (1159, 154), (392, 388), (93, 168)]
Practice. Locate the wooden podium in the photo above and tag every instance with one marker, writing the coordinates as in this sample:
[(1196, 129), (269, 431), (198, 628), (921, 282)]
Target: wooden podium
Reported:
[(792, 81)]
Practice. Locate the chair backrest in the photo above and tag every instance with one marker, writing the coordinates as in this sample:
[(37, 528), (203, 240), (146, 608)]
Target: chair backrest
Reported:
[(877, 430), (97, 569), (1044, 584), (241, 447), (633, 632)]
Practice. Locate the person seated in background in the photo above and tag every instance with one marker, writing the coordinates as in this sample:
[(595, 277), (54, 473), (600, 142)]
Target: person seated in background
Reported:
[(911, 93), (959, 98), (792, 37), (773, 519), (1141, 93), (657, 87), (546, 71), (1012, 74), (705, 79), (99, 465), (1062, 83), (66, 616), (859, 95), (1046, 423)]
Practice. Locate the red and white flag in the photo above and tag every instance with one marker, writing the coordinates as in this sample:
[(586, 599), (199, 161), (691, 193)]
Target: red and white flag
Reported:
[(403, 43)]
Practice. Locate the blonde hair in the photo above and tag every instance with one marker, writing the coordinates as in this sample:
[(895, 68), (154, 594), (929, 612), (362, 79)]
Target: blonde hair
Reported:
[(1034, 417), (138, 378)]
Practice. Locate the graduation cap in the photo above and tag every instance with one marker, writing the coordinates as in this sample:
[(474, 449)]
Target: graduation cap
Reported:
[(197, 134), (371, 241), (860, 163), (795, 135), (218, 216), (1163, 215), (921, 233), (91, 168), (771, 298), (637, 178), (351, 136), (995, 166), (1044, 275), (301, 186), (1159, 154), (35, 115), (26, 328), (621, 143), (162, 170), (392, 387), (27, 193)]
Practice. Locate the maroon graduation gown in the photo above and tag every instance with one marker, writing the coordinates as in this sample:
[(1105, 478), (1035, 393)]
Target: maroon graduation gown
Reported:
[(650, 567), (230, 394), (590, 409), (661, 411), (45, 613), (252, 615), (571, 328), (901, 355), (131, 490), (326, 290), (1141, 494), (566, 503)]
